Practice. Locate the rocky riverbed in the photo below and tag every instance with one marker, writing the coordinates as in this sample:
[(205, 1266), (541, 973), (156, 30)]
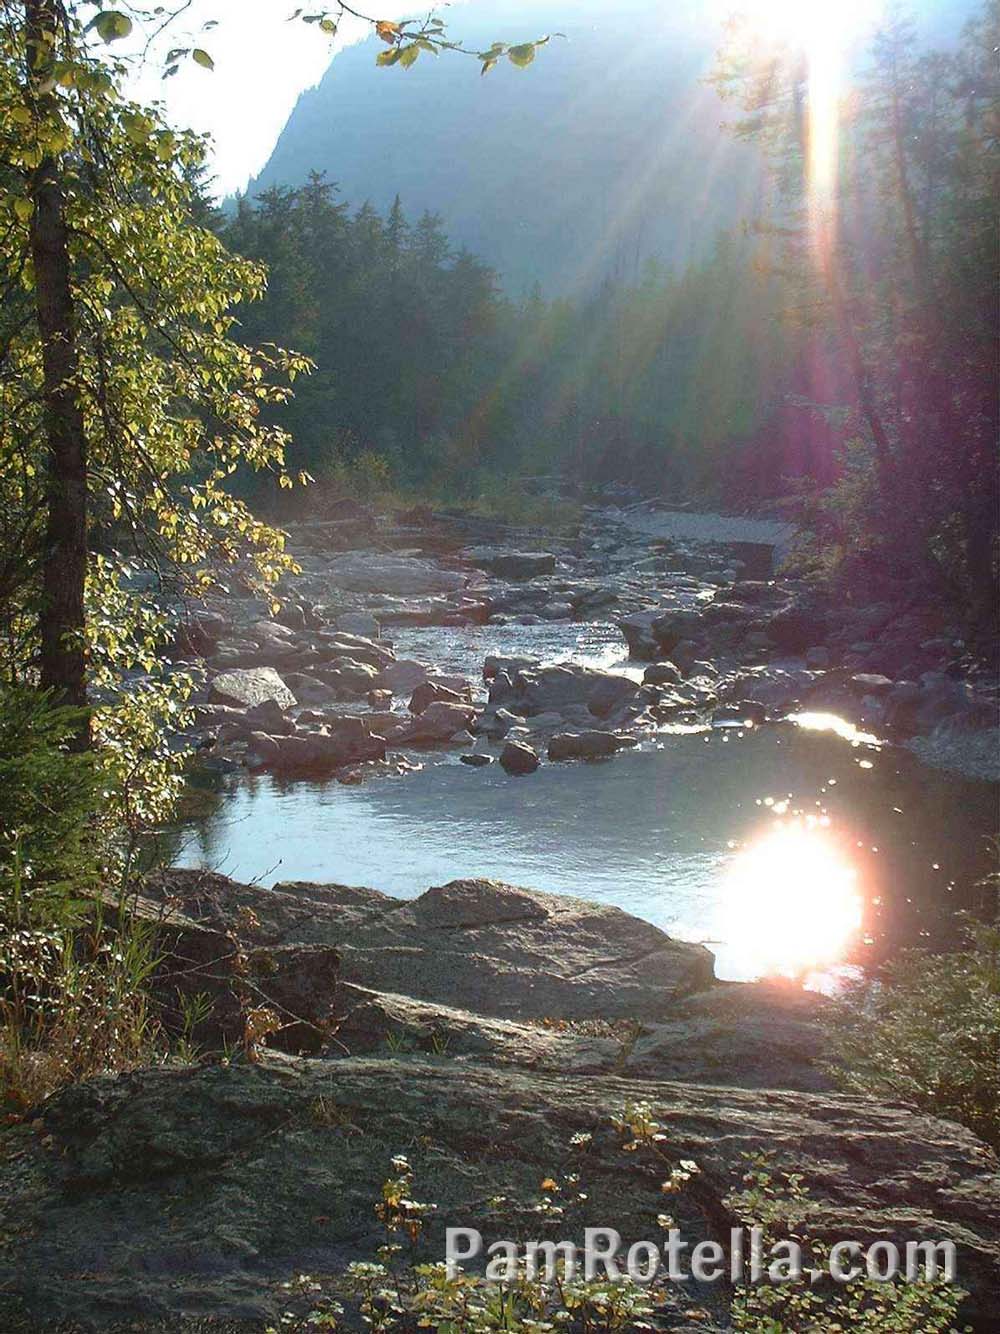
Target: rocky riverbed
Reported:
[(713, 638)]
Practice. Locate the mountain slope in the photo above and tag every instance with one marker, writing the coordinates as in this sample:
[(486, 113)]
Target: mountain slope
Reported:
[(607, 151)]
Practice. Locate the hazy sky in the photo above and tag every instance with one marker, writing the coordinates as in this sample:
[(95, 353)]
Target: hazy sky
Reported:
[(262, 63)]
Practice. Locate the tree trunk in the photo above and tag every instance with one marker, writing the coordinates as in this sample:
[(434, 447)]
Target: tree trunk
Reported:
[(64, 560)]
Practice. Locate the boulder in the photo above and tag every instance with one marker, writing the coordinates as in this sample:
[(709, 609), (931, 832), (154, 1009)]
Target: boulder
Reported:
[(475, 944), (476, 759), (519, 758), (183, 1198), (248, 686)]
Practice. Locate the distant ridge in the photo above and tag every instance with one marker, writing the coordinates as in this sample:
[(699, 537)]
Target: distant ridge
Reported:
[(606, 152)]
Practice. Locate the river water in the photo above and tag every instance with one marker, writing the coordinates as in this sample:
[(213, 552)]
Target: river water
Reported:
[(797, 848)]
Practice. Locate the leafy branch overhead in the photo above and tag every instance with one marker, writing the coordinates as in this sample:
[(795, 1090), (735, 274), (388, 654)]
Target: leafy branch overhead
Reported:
[(405, 38)]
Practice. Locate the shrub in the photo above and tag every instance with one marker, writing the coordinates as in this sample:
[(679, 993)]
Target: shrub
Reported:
[(927, 1032), (72, 990)]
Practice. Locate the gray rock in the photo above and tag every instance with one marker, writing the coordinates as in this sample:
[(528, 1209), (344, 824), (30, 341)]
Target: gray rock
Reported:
[(512, 564), (201, 1189), (476, 759), (358, 623), (248, 686), (402, 677)]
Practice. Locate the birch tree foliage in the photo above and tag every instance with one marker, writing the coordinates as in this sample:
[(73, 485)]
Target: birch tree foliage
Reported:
[(172, 400)]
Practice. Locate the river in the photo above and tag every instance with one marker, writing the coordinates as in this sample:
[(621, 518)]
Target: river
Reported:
[(797, 848)]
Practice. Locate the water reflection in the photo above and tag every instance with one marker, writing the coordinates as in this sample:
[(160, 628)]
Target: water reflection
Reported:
[(790, 902), (670, 832)]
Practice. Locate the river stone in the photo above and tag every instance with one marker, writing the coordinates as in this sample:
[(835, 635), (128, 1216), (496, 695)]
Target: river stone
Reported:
[(429, 692), (249, 686), (590, 745), (183, 1197), (661, 674), (519, 758), (439, 721), (512, 564), (611, 694), (542, 689), (401, 677), (358, 623), (398, 576)]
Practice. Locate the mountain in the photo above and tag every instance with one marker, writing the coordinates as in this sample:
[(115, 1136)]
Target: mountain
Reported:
[(605, 152)]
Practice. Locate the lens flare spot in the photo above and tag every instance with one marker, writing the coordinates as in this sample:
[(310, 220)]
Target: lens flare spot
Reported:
[(791, 903)]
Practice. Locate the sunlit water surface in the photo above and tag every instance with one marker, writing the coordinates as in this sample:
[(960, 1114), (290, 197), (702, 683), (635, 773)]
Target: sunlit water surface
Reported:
[(787, 849)]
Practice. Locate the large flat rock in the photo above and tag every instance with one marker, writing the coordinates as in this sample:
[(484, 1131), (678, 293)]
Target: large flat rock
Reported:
[(170, 1198), (398, 576), (475, 944)]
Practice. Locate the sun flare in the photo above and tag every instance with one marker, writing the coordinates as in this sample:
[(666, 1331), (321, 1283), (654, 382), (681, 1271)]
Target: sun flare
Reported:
[(823, 34), (791, 901)]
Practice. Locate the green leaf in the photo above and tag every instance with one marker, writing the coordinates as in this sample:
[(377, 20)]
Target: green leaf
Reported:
[(202, 58), (388, 57), (328, 26), (408, 55), (522, 55), (111, 25)]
